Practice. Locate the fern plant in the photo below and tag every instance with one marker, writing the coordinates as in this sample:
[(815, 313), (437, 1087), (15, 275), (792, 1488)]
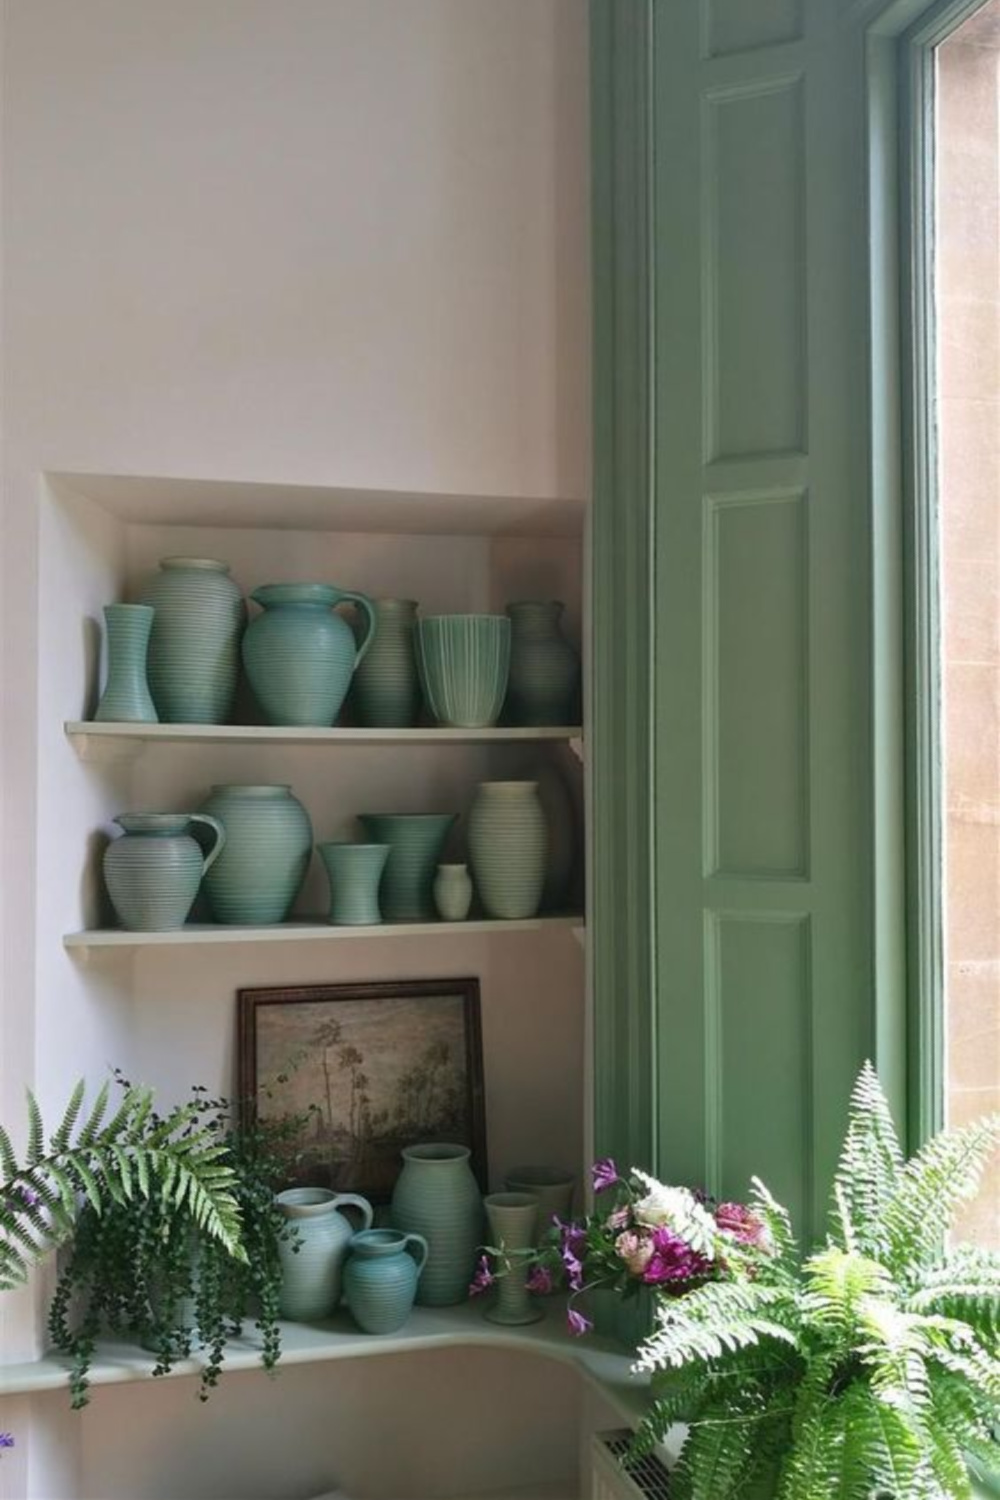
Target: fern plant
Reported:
[(873, 1369), (122, 1157)]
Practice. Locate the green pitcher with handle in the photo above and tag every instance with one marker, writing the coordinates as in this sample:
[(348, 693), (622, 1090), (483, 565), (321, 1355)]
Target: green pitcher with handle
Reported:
[(300, 655), (153, 872)]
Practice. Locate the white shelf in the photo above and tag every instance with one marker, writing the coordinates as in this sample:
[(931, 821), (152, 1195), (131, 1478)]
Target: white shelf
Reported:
[(309, 931), (93, 741), (602, 1363)]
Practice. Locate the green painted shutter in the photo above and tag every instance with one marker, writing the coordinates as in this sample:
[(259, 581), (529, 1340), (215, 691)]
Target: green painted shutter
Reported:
[(732, 627)]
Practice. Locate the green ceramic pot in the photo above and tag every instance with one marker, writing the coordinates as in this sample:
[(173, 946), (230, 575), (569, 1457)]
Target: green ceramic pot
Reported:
[(415, 843), (381, 1276), (386, 692), (513, 1221), (154, 871), (268, 843), (312, 1260), (437, 1196), (544, 669), (508, 843), (464, 662), (452, 892), (355, 873), (194, 648), (126, 698), (300, 656), (551, 1187)]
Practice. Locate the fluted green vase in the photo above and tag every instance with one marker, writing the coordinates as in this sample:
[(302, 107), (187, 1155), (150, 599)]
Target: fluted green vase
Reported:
[(415, 843), (381, 1276), (386, 692), (126, 698), (508, 845), (194, 648), (464, 662), (437, 1196), (355, 874), (260, 871)]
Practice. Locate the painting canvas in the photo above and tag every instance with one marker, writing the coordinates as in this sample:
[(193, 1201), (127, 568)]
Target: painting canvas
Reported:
[(364, 1070)]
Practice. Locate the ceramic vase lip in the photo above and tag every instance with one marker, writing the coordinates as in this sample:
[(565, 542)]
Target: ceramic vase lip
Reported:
[(153, 822), (394, 603), (519, 1177), (323, 595), (305, 1202), (510, 1200), (349, 844), (437, 1153), (137, 611), (546, 606), (453, 867), (508, 787), (476, 615), (206, 564), (254, 789), (378, 1241)]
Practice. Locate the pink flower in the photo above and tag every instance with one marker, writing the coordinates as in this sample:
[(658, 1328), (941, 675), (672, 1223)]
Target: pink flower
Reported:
[(635, 1248), (483, 1279), (604, 1174), (743, 1224), (578, 1324), (620, 1219), (539, 1281), (673, 1260)]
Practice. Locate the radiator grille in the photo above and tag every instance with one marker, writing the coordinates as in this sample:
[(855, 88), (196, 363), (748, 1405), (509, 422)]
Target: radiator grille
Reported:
[(645, 1479)]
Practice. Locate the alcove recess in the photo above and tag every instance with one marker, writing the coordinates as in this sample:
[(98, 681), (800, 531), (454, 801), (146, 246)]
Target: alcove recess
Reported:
[(166, 1013)]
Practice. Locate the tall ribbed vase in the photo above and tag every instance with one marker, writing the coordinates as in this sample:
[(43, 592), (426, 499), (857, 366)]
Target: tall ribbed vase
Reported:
[(508, 844), (513, 1218), (194, 649), (260, 871), (126, 698), (437, 1196), (544, 668), (386, 692)]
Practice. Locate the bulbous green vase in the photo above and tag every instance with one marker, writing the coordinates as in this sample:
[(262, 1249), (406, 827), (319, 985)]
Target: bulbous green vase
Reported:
[(260, 871), (299, 655)]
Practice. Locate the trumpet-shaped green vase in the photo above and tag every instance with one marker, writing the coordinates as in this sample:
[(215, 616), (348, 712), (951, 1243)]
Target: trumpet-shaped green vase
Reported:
[(415, 843), (126, 698), (355, 873)]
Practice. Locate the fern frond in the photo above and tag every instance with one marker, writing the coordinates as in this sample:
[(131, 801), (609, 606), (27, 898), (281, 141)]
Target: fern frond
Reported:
[(868, 1173), (713, 1320), (63, 1134), (36, 1132), (931, 1188)]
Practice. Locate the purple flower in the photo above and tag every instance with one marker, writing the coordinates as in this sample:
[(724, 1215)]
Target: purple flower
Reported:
[(539, 1281), (743, 1224), (30, 1199), (6, 1440), (673, 1259), (578, 1324), (604, 1173), (483, 1279)]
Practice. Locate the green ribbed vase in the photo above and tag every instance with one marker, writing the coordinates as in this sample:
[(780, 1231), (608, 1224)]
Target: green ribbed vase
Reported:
[(464, 662), (508, 846), (194, 648), (260, 871), (153, 872), (355, 874), (513, 1222), (126, 698), (415, 843), (386, 691), (299, 655), (381, 1276), (437, 1196), (544, 668)]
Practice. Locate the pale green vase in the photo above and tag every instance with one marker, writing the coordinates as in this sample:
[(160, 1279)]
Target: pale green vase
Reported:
[(355, 874), (508, 844), (415, 844), (463, 662), (312, 1259), (299, 655), (452, 892), (194, 648), (126, 698), (386, 692), (260, 871), (513, 1220), (544, 668), (437, 1196), (153, 872), (381, 1276)]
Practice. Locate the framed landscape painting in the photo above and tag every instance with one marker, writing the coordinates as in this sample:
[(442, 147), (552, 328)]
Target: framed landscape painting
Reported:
[(352, 1073)]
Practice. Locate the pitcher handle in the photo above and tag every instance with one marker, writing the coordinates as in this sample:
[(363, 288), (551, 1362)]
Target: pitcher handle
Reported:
[(367, 608), (352, 1200), (418, 1239), (208, 860)]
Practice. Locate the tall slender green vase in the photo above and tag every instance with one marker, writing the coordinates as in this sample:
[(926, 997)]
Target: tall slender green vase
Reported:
[(260, 871), (508, 842), (126, 698), (437, 1196), (513, 1220), (194, 649), (386, 692), (415, 843)]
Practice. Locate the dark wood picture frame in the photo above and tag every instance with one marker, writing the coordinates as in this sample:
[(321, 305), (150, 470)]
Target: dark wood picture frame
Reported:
[(392, 1063)]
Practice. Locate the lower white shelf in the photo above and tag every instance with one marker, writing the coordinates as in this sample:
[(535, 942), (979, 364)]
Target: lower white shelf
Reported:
[(310, 930), (603, 1363)]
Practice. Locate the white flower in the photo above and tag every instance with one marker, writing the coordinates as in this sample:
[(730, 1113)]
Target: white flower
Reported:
[(679, 1210)]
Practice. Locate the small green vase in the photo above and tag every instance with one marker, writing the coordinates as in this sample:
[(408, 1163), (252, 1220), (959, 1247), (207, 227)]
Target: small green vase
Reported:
[(355, 873), (508, 843), (437, 1196), (415, 844), (154, 871), (126, 698), (194, 649), (452, 892), (381, 1276), (513, 1220), (260, 871), (299, 655), (386, 692)]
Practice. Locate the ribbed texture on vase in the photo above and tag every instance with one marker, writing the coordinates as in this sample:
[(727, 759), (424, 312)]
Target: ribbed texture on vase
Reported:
[(437, 1196), (194, 648), (153, 877), (380, 1280), (126, 698), (386, 692), (452, 892), (415, 844), (544, 668), (299, 656), (311, 1274), (355, 873), (508, 843), (260, 871), (513, 1219), (464, 662)]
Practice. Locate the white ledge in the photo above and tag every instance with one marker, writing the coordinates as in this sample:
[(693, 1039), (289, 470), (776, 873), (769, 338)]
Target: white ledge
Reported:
[(311, 930)]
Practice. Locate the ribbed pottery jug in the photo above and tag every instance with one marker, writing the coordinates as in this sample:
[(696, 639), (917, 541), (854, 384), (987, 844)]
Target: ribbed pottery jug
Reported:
[(544, 668), (153, 872), (312, 1258), (194, 648), (386, 693), (268, 844), (508, 843), (437, 1196), (380, 1277), (300, 656)]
